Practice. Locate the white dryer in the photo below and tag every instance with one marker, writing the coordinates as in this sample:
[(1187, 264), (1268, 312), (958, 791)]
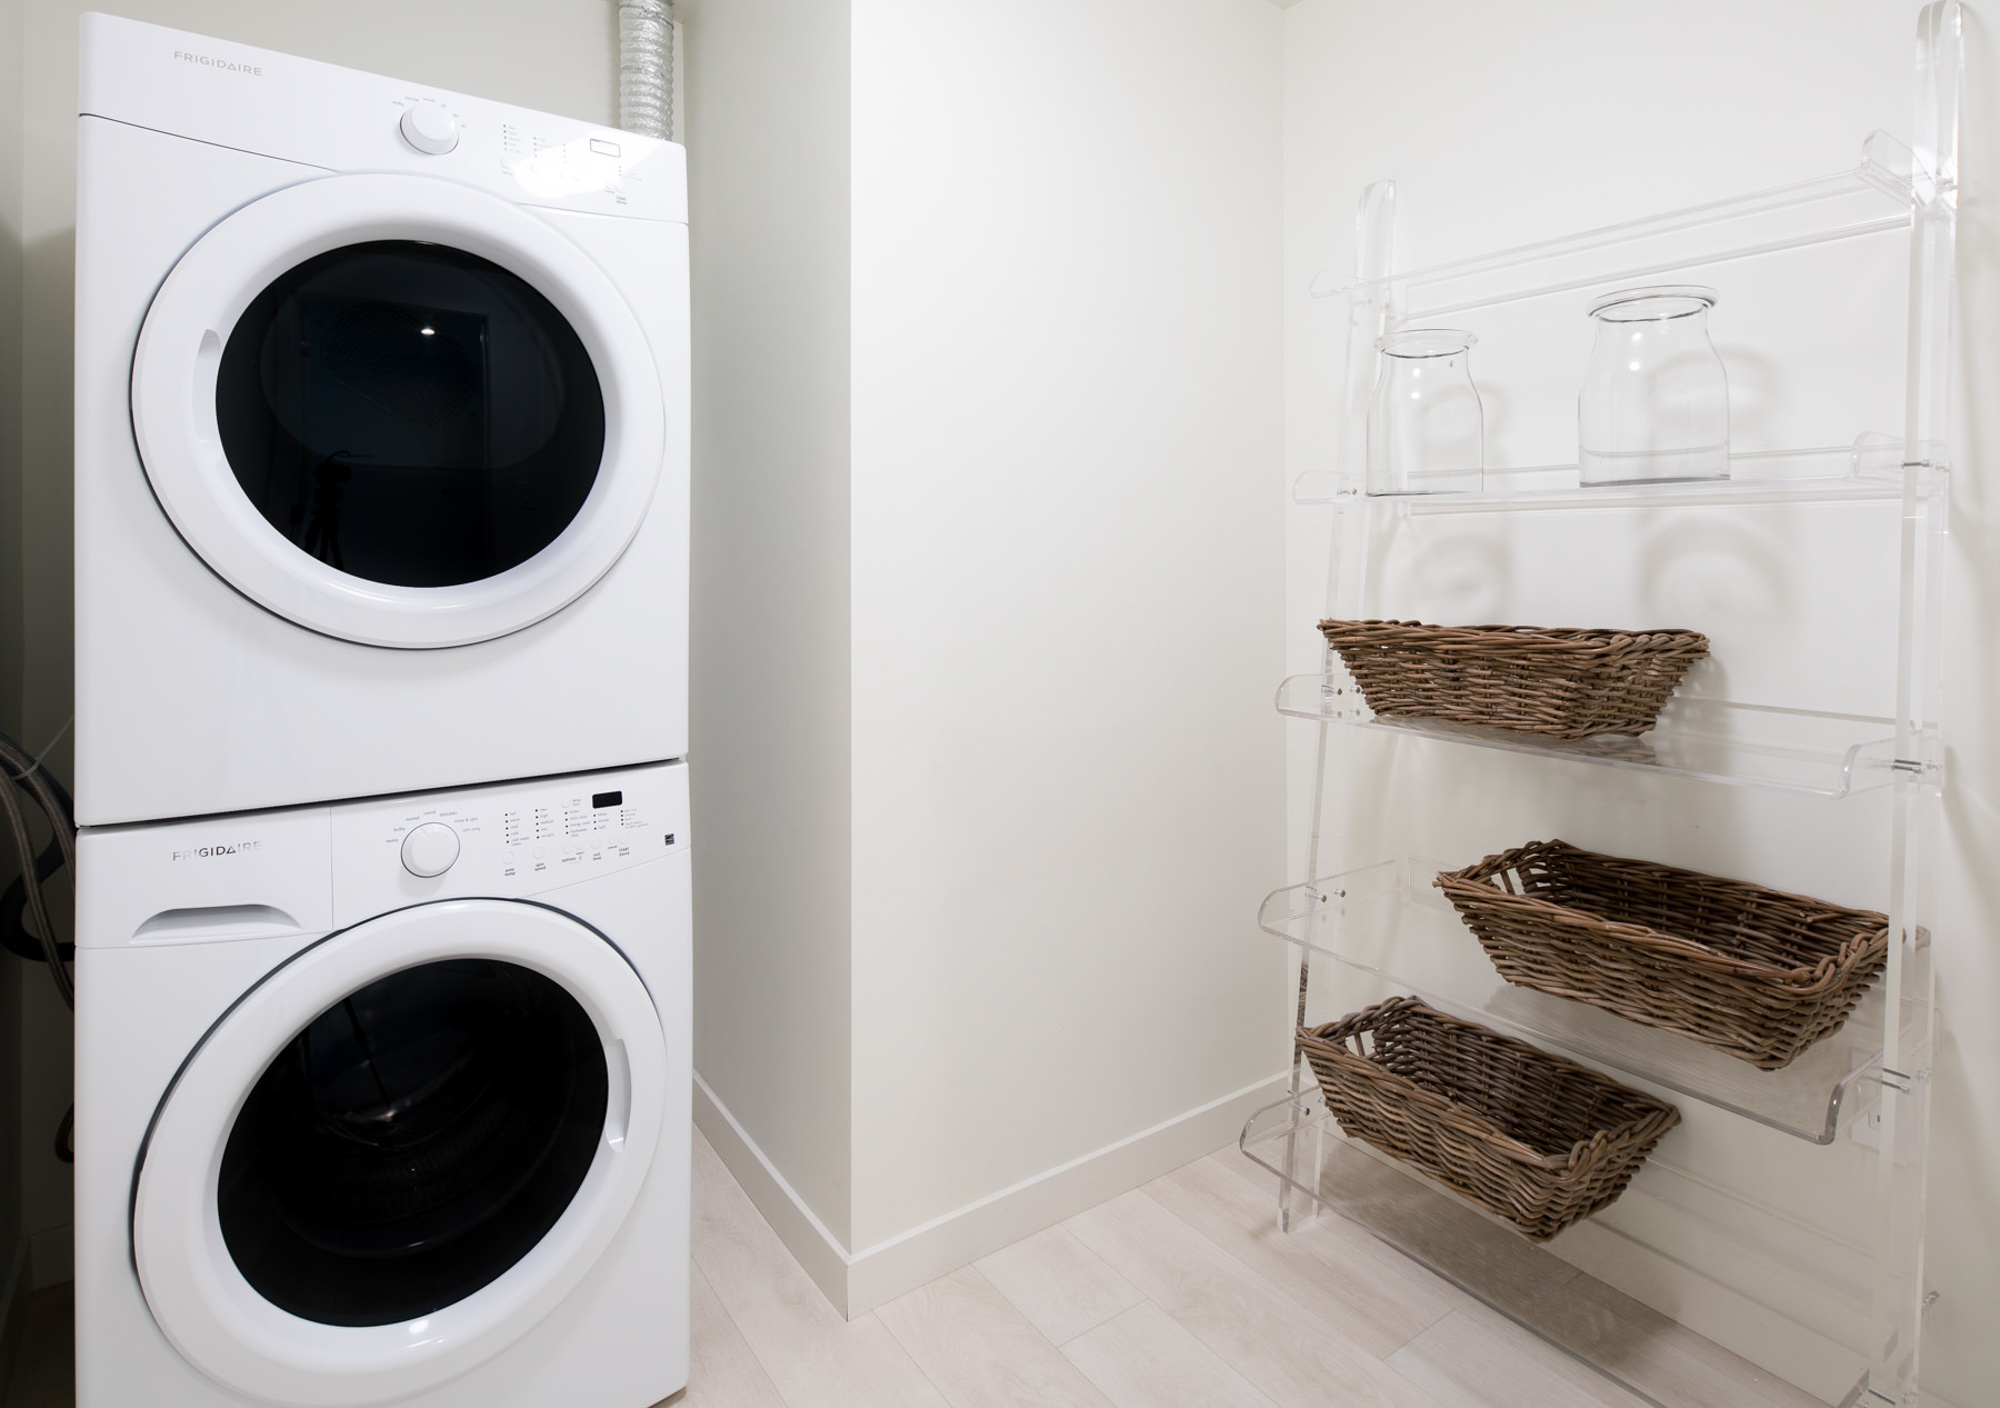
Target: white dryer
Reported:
[(388, 1101), (381, 435)]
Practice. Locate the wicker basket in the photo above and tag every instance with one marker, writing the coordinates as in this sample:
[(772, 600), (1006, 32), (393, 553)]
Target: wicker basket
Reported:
[(1757, 973), (1558, 683), (1538, 1140)]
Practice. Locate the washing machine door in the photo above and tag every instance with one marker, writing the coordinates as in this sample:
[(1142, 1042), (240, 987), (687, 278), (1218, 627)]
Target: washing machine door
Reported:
[(398, 1152), (397, 410)]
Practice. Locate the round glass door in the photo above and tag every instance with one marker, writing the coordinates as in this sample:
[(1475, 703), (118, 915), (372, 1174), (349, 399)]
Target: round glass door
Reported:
[(397, 410), (410, 414), (398, 1151), (413, 1142)]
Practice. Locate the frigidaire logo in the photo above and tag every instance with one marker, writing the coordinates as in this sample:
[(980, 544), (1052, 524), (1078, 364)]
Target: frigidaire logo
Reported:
[(229, 848), (210, 61)]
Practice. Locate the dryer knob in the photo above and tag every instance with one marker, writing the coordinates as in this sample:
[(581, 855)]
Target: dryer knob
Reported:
[(430, 849), (429, 128)]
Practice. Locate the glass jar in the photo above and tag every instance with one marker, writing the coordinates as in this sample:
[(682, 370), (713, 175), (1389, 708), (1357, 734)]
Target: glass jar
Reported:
[(1426, 429), (1655, 400)]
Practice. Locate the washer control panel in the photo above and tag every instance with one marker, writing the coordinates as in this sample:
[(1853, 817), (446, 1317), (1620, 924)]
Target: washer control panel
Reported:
[(513, 840)]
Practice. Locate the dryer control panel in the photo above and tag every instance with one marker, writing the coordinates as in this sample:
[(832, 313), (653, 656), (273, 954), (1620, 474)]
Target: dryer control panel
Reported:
[(512, 841)]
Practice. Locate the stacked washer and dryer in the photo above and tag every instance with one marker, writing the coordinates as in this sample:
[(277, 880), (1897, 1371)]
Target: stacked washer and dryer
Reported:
[(381, 604)]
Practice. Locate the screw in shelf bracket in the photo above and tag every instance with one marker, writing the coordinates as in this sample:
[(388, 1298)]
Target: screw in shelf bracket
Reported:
[(1930, 1299), (1896, 1080), (1907, 765)]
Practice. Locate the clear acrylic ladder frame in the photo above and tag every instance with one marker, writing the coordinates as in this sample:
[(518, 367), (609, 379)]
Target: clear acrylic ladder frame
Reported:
[(1378, 299)]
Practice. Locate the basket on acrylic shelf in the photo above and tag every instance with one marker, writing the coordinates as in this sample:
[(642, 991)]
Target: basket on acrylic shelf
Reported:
[(1757, 973), (1568, 684), (1538, 1140)]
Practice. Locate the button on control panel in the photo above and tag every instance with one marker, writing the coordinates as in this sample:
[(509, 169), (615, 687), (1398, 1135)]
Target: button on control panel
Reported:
[(430, 849), (429, 127)]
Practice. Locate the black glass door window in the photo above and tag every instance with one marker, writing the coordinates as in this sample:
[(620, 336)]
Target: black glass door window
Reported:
[(410, 413), (413, 1143)]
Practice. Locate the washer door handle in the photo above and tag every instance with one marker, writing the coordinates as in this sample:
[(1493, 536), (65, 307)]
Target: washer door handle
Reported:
[(618, 1095)]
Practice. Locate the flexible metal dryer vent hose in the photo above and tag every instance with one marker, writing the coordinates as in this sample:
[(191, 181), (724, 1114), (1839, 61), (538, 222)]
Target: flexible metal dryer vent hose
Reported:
[(646, 67)]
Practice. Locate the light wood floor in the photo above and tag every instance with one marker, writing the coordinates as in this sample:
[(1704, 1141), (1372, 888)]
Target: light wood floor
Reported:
[(1180, 1294)]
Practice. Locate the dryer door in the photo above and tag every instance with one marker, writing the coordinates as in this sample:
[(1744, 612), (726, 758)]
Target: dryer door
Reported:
[(397, 410), (398, 1152)]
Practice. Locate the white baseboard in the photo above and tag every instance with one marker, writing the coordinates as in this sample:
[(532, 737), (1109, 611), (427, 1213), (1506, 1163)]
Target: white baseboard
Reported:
[(857, 1282)]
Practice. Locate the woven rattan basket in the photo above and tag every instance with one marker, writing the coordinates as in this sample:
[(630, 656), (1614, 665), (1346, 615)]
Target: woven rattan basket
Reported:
[(1539, 1140), (1757, 973), (1558, 683)]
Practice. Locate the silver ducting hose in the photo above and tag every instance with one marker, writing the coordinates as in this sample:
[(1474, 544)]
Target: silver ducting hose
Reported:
[(646, 67)]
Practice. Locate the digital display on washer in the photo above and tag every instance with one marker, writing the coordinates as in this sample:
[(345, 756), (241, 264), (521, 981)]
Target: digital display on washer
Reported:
[(410, 413), (415, 1141)]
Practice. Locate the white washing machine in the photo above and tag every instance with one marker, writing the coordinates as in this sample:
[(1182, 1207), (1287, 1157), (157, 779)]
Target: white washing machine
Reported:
[(388, 1101), (381, 435)]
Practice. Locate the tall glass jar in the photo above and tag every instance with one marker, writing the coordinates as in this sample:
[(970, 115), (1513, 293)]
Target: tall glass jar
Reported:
[(1426, 428), (1655, 400)]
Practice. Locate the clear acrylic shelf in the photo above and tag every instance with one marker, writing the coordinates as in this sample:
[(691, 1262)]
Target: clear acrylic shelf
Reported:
[(1879, 195), (1714, 740), (1871, 469), (1388, 920), (1633, 1346)]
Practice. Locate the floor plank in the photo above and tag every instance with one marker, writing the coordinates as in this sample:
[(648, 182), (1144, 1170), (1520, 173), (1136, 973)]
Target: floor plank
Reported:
[(1673, 1363), (723, 1372), (811, 1354), (1062, 1286), (1476, 1359), (1144, 1359), (982, 1352), (1294, 1357), (1381, 1308)]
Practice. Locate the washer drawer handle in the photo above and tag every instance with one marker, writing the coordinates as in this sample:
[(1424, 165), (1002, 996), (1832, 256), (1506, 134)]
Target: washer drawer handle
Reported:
[(217, 921)]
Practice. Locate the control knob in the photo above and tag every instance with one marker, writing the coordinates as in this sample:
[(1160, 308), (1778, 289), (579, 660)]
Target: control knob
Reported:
[(430, 128), (430, 849)]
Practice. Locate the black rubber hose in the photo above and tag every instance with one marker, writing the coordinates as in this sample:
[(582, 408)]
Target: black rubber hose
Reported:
[(14, 935), (53, 801), (25, 894)]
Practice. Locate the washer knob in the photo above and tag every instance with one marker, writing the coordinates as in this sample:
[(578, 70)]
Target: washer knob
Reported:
[(430, 128), (430, 849)]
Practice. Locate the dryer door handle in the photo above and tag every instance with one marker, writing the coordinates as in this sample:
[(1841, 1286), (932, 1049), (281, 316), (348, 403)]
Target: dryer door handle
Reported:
[(207, 371)]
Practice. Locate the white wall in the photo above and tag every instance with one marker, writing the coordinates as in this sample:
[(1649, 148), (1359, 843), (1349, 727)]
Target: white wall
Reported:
[(767, 113), (1504, 124), (1067, 581), (1059, 519), (557, 55)]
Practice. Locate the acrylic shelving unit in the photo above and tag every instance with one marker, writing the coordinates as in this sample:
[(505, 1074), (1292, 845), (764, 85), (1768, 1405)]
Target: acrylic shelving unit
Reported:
[(1376, 925)]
